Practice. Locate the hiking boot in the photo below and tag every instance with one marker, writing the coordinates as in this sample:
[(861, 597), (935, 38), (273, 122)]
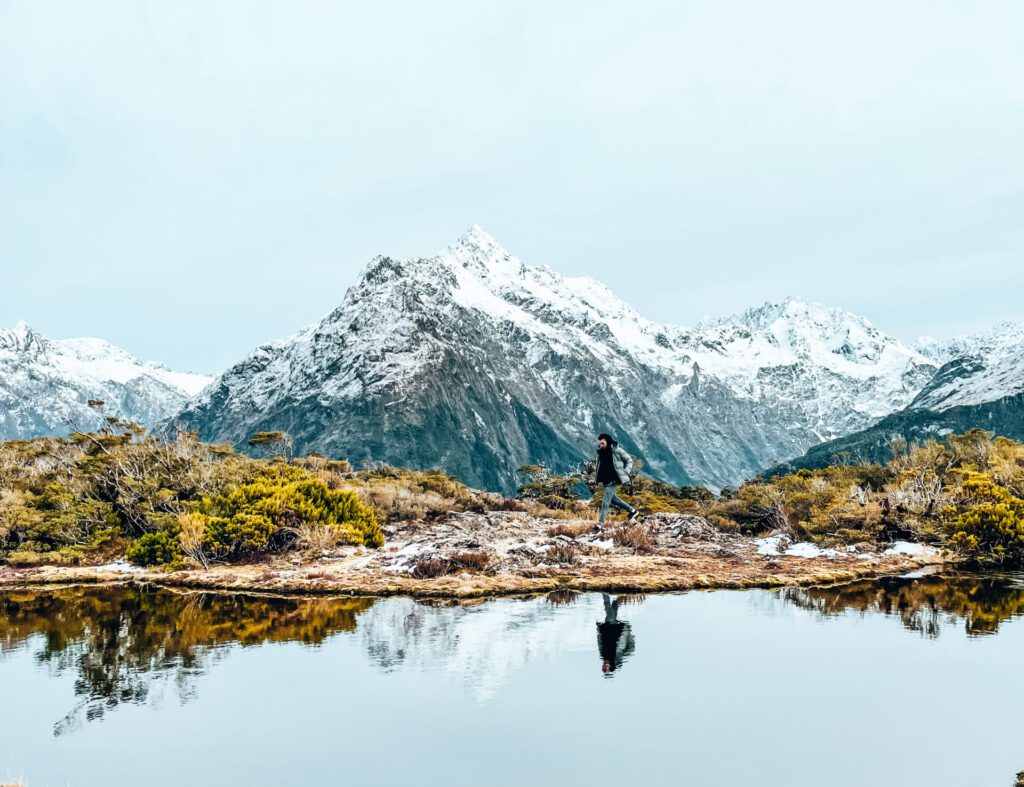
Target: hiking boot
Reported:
[(598, 528), (632, 517)]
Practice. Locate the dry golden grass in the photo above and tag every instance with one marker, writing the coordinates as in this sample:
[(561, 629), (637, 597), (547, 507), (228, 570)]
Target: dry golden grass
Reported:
[(316, 537), (475, 561), (572, 530), (563, 554), (608, 573), (431, 567), (634, 537), (406, 495), (193, 530)]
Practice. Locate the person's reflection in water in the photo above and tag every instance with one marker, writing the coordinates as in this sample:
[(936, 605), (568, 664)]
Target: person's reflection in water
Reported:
[(614, 637)]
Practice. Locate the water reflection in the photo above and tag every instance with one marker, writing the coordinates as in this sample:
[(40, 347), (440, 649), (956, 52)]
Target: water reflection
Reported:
[(130, 645), (923, 604), (614, 637), (481, 644), (123, 643)]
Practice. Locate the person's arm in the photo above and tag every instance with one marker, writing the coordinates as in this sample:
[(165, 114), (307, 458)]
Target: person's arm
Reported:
[(627, 460)]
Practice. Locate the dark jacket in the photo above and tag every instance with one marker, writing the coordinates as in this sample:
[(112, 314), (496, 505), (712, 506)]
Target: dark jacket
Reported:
[(622, 462)]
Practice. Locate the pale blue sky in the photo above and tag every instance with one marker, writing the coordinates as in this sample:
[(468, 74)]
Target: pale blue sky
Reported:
[(189, 179)]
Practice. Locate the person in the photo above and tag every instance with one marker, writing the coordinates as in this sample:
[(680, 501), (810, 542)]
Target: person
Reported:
[(614, 464), (614, 637)]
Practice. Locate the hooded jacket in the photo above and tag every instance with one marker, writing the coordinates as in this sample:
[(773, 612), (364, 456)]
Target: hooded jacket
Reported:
[(622, 462)]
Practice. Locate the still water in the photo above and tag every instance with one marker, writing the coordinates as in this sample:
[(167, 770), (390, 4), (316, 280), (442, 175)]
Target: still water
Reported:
[(910, 681)]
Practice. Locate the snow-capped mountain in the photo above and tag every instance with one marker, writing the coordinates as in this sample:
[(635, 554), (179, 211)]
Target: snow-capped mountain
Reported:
[(46, 384), (476, 362), (980, 385), (980, 368)]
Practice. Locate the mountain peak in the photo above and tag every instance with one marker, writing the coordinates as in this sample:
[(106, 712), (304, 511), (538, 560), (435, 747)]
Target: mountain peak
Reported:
[(790, 309), (477, 237), (20, 337), (47, 383), (477, 245)]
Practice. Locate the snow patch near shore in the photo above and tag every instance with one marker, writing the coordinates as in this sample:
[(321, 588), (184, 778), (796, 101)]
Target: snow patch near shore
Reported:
[(780, 545), (120, 566), (912, 549)]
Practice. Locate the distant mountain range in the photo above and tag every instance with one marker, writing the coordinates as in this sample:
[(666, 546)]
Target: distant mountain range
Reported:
[(46, 384), (476, 362), (980, 386)]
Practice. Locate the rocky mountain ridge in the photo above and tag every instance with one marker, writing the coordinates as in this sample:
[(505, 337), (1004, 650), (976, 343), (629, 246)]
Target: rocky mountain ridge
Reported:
[(474, 361), (46, 384)]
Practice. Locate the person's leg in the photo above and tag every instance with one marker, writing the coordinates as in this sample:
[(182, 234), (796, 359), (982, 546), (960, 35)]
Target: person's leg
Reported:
[(618, 502), (609, 493)]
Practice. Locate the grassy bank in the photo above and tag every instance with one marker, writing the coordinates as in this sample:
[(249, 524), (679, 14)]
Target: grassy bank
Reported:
[(183, 505)]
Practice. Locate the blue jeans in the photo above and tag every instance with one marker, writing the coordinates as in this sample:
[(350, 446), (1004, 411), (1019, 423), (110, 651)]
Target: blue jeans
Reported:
[(612, 499)]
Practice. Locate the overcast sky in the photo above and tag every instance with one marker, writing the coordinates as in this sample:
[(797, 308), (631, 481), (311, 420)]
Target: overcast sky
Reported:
[(190, 179)]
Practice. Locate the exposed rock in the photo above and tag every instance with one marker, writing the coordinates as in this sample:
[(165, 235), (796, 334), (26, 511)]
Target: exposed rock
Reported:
[(478, 363), (695, 528)]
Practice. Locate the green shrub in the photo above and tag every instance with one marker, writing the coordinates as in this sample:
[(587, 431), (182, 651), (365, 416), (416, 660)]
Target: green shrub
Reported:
[(91, 490), (261, 515), (988, 526), (156, 549)]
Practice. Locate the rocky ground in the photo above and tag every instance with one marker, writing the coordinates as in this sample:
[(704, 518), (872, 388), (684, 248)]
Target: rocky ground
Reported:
[(463, 555)]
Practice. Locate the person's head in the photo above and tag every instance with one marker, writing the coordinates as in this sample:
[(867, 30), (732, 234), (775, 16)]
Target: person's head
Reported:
[(604, 440), (607, 666)]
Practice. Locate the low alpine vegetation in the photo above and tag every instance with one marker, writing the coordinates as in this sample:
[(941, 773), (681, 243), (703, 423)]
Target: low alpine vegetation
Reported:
[(165, 501), (965, 492)]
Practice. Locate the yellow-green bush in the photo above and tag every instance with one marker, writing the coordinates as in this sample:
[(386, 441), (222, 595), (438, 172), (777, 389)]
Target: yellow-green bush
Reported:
[(988, 523), (91, 491), (261, 515)]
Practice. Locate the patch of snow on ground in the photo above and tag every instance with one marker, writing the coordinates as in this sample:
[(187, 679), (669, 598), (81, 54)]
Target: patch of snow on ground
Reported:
[(909, 548), (780, 545), (120, 566)]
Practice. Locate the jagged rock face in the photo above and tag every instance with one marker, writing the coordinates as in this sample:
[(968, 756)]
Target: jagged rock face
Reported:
[(45, 385), (979, 369), (979, 386), (476, 362)]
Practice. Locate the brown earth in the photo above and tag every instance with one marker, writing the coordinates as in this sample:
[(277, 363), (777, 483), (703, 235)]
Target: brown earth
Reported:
[(466, 555)]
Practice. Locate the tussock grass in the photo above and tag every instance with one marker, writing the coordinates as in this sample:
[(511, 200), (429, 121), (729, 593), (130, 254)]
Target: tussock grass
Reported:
[(474, 561), (570, 529), (397, 495), (429, 568), (316, 537), (634, 537), (563, 554)]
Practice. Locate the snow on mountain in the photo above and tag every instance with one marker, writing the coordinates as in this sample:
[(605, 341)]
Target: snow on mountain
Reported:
[(45, 384), (979, 368), (980, 385), (846, 371), (474, 361)]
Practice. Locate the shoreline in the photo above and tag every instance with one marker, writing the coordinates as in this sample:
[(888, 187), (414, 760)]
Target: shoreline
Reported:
[(519, 554), (453, 588)]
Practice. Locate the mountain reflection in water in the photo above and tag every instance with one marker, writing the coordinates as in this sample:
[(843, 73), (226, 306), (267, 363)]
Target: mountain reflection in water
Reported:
[(127, 645)]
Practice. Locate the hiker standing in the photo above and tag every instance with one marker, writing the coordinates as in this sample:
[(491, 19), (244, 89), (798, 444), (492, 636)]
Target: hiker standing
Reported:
[(614, 465)]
